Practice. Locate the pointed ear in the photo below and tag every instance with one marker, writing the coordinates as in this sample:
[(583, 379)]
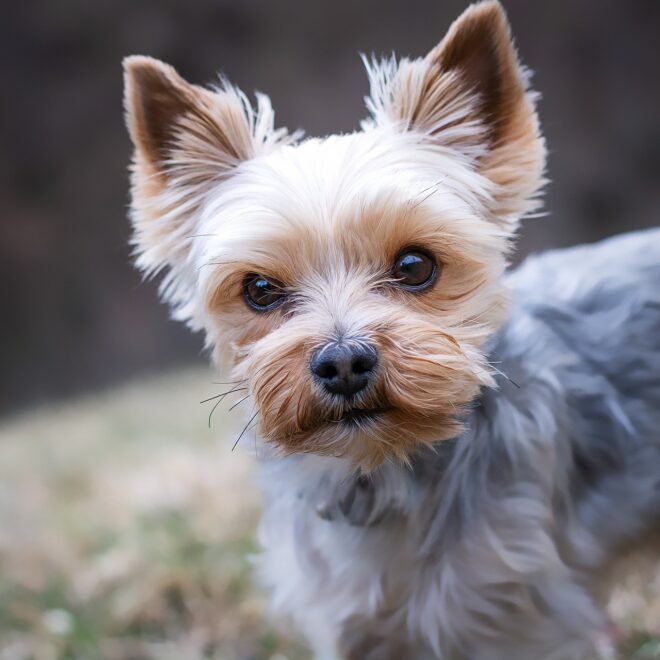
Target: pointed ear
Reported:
[(470, 93), (187, 141), (174, 124)]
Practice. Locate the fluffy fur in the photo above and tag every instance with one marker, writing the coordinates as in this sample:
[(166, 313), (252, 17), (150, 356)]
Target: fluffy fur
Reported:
[(518, 457), (502, 543)]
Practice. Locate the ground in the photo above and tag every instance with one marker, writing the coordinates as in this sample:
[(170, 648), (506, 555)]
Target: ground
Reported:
[(126, 527)]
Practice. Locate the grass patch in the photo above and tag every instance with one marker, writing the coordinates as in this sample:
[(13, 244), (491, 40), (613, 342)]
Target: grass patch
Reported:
[(125, 526)]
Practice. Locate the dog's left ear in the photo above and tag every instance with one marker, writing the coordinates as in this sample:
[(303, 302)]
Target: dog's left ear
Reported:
[(471, 94)]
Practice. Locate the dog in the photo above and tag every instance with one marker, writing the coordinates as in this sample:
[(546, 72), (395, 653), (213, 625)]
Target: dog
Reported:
[(455, 458)]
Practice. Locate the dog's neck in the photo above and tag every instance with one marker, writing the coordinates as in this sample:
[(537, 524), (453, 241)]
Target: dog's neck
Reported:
[(336, 491)]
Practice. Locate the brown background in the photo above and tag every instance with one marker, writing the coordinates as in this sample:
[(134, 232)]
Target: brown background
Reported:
[(74, 315)]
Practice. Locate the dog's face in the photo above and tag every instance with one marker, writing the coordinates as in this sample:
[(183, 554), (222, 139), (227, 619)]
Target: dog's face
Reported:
[(350, 282)]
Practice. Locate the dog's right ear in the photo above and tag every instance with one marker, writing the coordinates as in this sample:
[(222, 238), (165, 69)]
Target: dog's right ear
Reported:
[(177, 127), (188, 140)]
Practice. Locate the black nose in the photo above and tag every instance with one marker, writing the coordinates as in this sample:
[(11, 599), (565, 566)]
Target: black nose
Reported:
[(344, 368)]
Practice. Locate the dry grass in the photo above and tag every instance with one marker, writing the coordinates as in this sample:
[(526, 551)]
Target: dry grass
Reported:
[(125, 531), (125, 527)]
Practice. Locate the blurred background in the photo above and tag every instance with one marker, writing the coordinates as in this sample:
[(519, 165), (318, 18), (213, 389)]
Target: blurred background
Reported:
[(75, 315), (109, 533)]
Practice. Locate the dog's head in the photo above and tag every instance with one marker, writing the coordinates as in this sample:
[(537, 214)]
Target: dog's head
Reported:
[(350, 282)]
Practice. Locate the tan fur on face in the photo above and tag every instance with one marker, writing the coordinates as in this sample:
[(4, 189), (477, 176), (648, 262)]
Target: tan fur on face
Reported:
[(425, 377), (450, 160), (430, 365)]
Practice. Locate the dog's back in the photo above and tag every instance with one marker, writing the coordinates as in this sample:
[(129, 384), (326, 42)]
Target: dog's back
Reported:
[(558, 472), (600, 306), (597, 311)]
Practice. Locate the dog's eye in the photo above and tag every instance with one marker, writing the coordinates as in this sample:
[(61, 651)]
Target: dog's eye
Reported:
[(415, 270), (262, 294)]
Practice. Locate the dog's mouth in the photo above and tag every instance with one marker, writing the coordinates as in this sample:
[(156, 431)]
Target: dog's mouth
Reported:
[(358, 416)]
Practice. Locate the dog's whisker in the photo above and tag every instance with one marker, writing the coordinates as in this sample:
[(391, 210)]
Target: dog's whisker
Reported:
[(433, 185), (421, 201), (216, 263), (435, 190), (229, 382), (217, 403), (501, 373), (211, 398), (244, 430), (220, 398), (238, 403)]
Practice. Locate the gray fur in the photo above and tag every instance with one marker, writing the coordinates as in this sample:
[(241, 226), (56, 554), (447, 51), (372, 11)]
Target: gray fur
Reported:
[(498, 545)]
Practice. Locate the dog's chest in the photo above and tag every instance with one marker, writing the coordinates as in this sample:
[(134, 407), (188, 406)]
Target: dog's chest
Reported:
[(356, 566)]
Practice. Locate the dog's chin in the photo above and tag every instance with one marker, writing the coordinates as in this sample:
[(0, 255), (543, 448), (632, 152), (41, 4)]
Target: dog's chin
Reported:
[(360, 417), (367, 437)]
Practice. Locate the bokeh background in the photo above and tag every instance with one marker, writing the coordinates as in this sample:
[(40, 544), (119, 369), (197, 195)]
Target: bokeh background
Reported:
[(75, 315), (110, 539)]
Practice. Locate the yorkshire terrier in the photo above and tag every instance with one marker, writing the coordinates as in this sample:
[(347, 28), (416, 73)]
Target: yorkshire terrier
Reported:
[(455, 458)]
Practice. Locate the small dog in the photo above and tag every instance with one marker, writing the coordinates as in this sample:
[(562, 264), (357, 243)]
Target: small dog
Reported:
[(454, 458)]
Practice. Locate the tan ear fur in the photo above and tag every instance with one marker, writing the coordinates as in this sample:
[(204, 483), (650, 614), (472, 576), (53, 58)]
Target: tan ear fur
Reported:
[(471, 93), (176, 125), (156, 98), (187, 140)]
